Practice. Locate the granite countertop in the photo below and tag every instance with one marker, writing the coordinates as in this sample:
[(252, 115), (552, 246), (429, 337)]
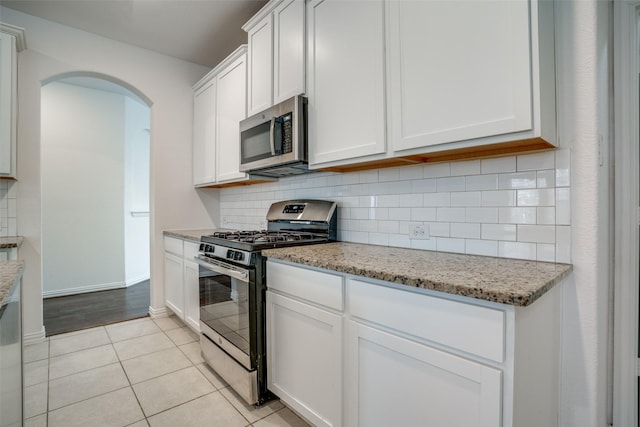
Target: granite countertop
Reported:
[(503, 280), (10, 273), (10, 242), (193, 235)]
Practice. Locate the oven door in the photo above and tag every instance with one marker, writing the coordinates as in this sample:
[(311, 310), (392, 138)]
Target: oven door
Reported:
[(227, 310)]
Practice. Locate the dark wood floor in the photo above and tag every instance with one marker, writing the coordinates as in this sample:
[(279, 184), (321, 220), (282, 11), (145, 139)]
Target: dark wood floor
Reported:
[(82, 311)]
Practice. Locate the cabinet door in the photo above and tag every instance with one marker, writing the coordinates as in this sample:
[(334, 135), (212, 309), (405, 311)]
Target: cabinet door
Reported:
[(345, 42), (458, 70), (231, 108), (192, 295), (304, 347), (288, 50), (394, 381), (174, 284), (204, 135), (260, 66), (8, 72)]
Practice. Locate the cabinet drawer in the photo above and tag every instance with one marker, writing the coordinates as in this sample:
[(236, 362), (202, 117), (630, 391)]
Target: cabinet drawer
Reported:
[(476, 330), (190, 250), (314, 286), (173, 245)]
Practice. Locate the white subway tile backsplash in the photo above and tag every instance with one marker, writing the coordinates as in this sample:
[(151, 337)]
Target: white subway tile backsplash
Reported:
[(499, 198), (437, 199), (426, 245), (517, 180), (518, 250), (465, 199), (481, 247), (499, 232), (454, 183), (411, 172), (482, 215), (563, 206), (537, 233), (536, 161), (563, 160), (436, 170), (546, 178), (546, 252), (390, 227), (423, 214), (546, 215), (467, 167), (563, 243), (379, 239), (465, 230), (400, 214), (498, 165), (438, 229), (450, 215), (481, 182), (427, 185), (541, 197), (513, 206), (515, 215), (411, 200), (444, 244)]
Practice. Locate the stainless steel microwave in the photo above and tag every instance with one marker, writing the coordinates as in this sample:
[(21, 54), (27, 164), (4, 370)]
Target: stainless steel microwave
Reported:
[(274, 142)]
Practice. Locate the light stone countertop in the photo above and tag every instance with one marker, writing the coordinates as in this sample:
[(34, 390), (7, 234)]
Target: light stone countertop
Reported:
[(11, 242), (193, 235), (10, 273), (503, 280)]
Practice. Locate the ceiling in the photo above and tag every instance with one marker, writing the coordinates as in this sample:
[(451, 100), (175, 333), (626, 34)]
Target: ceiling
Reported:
[(199, 31)]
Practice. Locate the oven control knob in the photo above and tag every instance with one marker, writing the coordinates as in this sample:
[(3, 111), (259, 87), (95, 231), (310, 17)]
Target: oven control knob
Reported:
[(238, 256), (209, 248), (230, 254)]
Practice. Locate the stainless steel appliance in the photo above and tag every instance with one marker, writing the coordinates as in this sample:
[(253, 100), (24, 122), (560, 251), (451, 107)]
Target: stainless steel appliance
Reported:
[(274, 142), (233, 284)]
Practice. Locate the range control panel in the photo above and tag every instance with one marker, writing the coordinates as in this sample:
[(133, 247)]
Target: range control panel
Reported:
[(294, 209)]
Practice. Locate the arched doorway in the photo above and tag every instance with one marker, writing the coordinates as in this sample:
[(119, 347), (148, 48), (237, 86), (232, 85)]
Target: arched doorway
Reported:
[(95, 135)]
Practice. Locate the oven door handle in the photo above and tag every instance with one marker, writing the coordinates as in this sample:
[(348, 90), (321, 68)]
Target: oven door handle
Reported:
[(224, 268)]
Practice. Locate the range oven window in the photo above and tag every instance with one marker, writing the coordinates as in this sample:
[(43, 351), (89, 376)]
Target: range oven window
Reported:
[(224, 307)]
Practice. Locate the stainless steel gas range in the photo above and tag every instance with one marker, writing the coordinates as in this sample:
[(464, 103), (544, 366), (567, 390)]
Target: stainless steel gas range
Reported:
[(232, 290)]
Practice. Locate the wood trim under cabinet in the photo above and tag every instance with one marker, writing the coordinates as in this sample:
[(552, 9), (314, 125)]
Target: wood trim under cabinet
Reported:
[(484, 151)]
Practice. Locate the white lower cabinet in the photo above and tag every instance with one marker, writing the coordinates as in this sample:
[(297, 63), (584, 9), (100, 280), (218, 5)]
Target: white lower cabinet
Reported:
[(305, 358), (181, 280), (391, 380), (347, 350)]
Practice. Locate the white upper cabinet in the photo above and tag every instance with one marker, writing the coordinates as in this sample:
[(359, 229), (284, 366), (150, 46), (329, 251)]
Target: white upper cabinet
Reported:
[(220, 103), (345, 81), (231, 109), (204, 134), (11, 42), (276, 66), (458, 79), (260, 57), (458, 71)]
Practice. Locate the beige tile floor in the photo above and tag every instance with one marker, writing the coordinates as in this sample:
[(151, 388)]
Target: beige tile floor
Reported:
[(138, 373)]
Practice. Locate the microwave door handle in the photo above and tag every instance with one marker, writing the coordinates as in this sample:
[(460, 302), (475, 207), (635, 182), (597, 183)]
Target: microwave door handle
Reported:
[(271, 136)]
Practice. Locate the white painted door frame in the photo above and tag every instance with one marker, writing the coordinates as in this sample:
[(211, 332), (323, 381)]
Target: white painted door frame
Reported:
[(626, 111)]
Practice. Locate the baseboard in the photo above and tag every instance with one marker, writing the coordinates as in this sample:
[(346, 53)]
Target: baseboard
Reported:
[(156, 313), (83, 289), (34, 337), (136, 280)]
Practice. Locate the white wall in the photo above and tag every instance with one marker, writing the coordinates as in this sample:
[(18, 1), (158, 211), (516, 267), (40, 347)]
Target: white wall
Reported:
[(136, 192), (54, 49), (82, 171), (583, 111)]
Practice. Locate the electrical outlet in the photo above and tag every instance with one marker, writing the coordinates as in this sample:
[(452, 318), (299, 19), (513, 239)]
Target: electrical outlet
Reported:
[(418, 230), (226, 220)]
